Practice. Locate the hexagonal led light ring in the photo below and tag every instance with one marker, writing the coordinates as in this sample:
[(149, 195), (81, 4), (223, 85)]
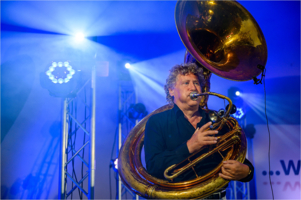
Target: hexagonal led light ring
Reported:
[(60, 64), (239, 113)]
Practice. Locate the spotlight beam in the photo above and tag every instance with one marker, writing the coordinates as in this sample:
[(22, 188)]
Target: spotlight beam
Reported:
[(79, 36)]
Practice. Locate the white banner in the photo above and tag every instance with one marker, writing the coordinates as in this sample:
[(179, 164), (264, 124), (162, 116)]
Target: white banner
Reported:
[(285, 161)]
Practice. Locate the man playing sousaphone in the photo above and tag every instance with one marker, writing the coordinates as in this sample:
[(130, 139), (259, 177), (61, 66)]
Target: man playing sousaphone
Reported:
[(173, 135)]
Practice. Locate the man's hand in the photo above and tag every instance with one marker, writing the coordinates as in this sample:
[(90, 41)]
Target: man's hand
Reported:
[(201, 137), (234, 170)]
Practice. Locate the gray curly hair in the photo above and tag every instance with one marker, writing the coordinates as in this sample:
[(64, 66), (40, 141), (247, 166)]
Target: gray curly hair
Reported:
[(183, 69)]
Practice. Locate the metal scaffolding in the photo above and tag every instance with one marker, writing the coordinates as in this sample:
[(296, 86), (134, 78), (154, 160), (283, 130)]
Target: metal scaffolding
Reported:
[(77, 175), (127, 97), (236, 189)]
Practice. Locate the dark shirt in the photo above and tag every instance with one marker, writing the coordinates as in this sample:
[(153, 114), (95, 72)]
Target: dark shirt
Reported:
[(166, 134)]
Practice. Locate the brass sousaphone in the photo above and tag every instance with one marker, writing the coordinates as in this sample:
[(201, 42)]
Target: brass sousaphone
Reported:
[(223, 37)]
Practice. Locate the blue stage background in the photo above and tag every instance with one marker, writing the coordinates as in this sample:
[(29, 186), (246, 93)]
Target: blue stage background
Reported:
[(33, 34)]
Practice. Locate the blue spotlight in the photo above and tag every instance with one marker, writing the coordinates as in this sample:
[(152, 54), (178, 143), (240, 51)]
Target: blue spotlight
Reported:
[(127, 65), (60, 64), (234, 93), (54, 80), (54, 64), (62, 76), (79, 36), (62, 80), (69, 76), (239, 113), (51, 69), (66, 80), (114, 164)]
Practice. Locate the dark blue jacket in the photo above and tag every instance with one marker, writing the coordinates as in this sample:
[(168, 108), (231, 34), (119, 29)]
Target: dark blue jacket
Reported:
[(166, 134)]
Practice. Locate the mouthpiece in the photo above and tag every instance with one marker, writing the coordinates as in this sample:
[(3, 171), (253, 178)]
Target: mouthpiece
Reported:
[(194, 96)]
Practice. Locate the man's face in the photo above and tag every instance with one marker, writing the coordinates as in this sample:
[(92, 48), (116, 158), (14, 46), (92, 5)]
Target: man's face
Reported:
[(185, 84)]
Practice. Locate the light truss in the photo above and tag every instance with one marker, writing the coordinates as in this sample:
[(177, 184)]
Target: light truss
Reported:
[(238, 190), (77, 166), (127, 97)]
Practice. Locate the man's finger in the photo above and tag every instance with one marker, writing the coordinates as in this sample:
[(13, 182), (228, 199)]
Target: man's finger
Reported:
[(226, 171), (225, 176), (228, 166), (208, 138), (230, 161), (196, 130), (209, 142), (213, 132), (205, 126)]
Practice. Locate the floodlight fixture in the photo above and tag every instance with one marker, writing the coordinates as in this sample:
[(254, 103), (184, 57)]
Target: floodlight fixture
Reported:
[(234, 93), (114, 164), (79, 36), (239, 113), (63, 76), (61, 79), (127, 65)]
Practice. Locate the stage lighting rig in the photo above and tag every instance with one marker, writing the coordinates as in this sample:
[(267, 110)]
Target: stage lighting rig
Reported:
[(114, 164), (79, 37), (127, 65), (137, 111), (61, 79), (57, 75), (235, 94), (239, 113)]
